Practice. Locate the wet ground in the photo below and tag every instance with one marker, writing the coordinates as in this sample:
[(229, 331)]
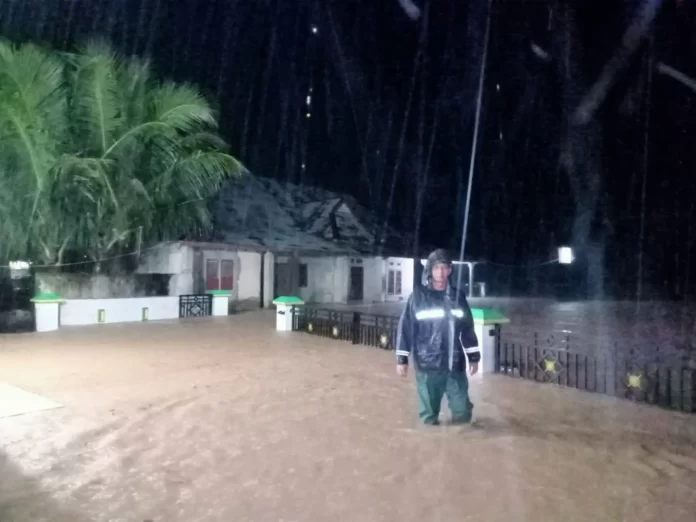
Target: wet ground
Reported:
[(665, 329), (226, 420)]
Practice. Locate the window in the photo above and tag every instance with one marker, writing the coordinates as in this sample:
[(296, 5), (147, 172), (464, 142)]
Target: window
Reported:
[(212, 281), (303, 282), (226, 274), (394, 282), (219, 274)]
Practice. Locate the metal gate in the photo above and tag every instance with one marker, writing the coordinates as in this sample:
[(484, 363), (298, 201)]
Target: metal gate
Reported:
[(195, 305)]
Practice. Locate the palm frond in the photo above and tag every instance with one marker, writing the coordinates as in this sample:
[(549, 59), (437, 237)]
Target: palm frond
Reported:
[(181, 107), (93, 149), (97, 100)]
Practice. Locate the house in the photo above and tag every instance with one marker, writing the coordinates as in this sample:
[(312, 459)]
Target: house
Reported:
[(283, 239)]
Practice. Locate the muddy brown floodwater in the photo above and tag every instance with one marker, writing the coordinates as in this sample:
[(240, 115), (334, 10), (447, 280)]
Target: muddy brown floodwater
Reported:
[(226, 420)]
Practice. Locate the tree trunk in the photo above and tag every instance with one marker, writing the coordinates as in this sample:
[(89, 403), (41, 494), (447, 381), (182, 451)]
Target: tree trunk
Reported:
[(580, 154)]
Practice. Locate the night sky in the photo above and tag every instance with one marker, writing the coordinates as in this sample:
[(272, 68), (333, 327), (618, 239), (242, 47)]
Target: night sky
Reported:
[(392, 105)]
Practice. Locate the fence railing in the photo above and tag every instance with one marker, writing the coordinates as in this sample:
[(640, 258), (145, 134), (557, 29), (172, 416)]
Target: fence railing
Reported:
[(354, 327), (195, 305), (630, 376)]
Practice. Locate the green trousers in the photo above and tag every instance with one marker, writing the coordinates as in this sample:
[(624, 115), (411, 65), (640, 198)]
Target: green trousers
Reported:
[(432, 387)]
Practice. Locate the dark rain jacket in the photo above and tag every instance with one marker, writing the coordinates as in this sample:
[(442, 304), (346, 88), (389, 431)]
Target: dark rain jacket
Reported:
[(437, 330)]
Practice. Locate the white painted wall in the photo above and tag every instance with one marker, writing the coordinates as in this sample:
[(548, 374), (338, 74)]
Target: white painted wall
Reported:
[(373, 269), (327, 279), (248, 272), (74, 312), (175, 259)]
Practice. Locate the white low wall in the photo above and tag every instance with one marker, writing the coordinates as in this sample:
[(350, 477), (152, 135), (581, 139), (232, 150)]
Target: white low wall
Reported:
[(74, 312)]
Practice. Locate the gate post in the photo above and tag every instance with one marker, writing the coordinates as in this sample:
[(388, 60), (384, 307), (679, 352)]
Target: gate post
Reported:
[(286, 311), (221, 302), (47, 311), (487, 326)]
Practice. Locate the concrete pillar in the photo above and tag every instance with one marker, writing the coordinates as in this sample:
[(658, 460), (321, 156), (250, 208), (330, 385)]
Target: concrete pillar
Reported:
[(198, 272), (284, 312), (221, 302), (47, 311), (486, 321), (268, 279)]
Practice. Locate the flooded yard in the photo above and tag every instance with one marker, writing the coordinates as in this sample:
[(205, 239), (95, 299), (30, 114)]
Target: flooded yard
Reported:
[(227, 420)]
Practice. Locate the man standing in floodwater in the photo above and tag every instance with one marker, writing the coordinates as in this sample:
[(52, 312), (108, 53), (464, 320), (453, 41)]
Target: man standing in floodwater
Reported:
[(436, 330)]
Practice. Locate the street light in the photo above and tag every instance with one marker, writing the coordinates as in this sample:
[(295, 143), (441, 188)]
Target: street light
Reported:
[(565, 255)]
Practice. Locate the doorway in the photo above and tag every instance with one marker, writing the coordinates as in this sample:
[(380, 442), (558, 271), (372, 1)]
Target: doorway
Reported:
[(357, 280), (282, 280)]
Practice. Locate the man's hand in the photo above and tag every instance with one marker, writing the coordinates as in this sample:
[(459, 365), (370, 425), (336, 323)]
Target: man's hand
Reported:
[(473, 368), (402, 370)]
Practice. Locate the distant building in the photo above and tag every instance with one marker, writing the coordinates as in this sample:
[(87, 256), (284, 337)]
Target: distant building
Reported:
[(276, 239)]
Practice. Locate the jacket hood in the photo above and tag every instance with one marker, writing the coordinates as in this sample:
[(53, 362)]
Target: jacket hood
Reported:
[(439, 256)]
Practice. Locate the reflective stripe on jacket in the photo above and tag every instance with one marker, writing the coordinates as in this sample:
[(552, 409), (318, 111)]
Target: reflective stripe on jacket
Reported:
[(430, 314)]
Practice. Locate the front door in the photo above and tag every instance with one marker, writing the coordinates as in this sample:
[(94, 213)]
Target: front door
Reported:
[(282, 283), (357, 277)]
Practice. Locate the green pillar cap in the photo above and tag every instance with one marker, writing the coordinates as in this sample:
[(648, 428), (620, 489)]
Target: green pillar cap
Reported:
[(219, 292), (488, 316), (288, 300), (46, 298)]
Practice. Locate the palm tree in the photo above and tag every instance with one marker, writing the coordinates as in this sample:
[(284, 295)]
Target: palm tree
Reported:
[(97, 154), (32, 112)]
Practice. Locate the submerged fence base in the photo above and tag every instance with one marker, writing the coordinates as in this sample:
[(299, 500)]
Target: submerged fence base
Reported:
[(629, 376), (355, 327)]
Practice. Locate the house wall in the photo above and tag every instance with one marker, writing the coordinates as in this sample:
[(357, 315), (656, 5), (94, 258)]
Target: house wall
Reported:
[(247, 274), (373, 269), (327, 279), (175, 259), (188, 273)]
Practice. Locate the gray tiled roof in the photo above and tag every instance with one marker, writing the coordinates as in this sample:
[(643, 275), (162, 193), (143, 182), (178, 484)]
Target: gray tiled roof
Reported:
[(261, 212)]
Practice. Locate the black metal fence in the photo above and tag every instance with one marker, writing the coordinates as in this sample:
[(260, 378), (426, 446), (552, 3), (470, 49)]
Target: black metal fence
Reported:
[(354, 327), (630, 376), (195, 305)]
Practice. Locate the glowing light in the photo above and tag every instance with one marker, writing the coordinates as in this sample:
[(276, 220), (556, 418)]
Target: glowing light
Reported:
[(309, 115), (315, 29), (309, 100), (19, 265), (565, 255)]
